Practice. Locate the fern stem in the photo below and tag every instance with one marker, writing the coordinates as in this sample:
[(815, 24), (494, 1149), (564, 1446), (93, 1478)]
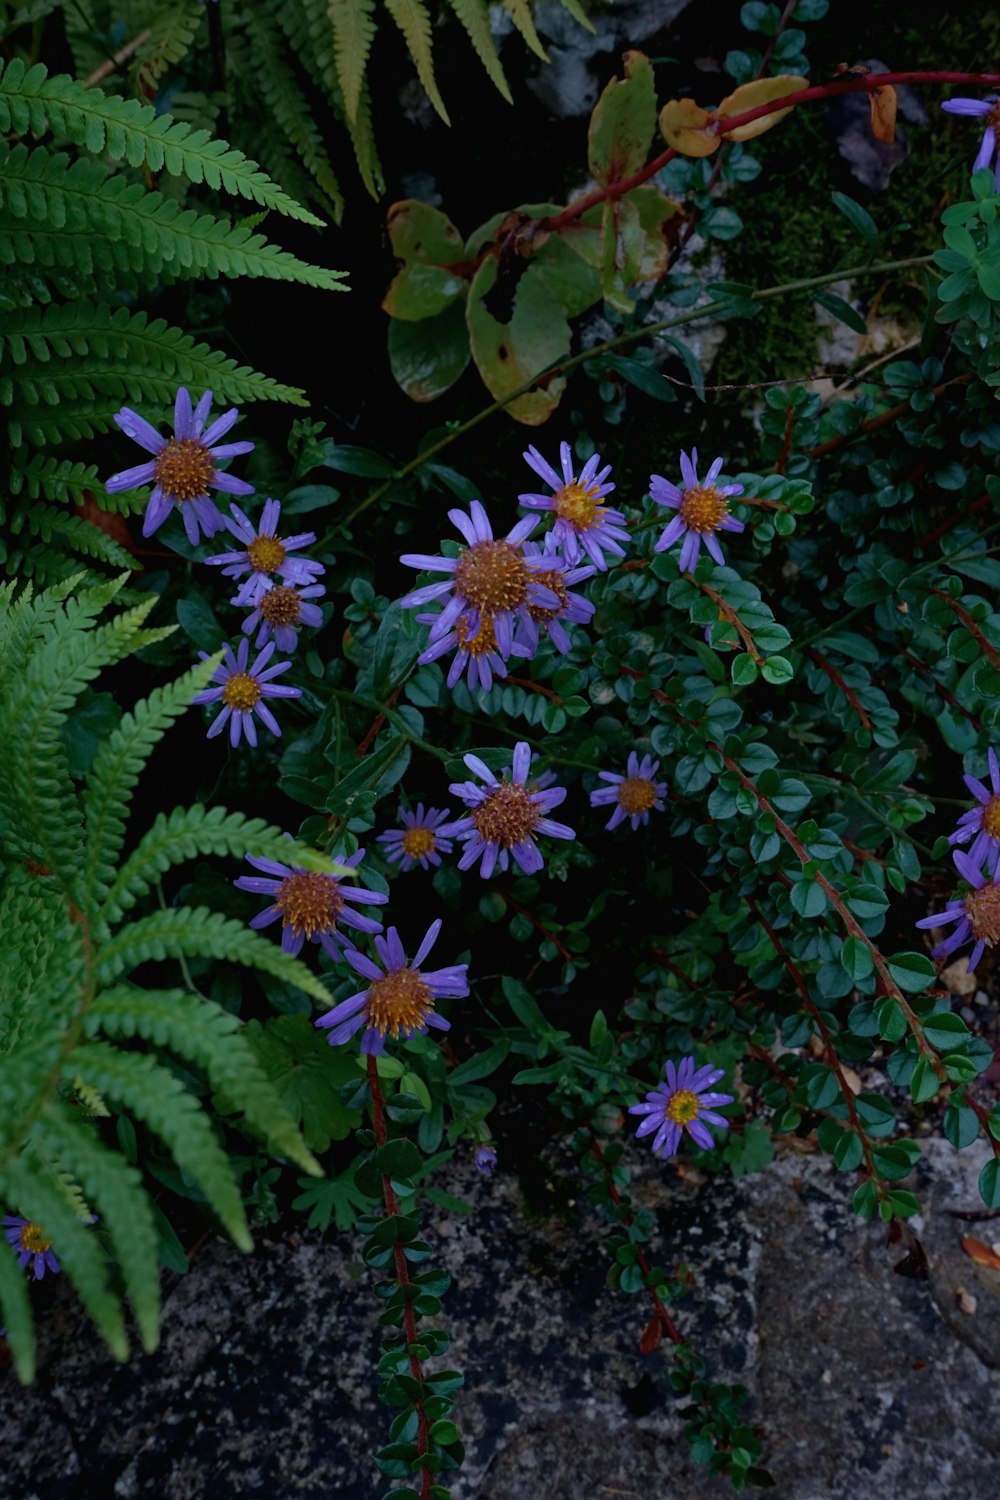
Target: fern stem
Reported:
[(402, 1274), (692, 315)]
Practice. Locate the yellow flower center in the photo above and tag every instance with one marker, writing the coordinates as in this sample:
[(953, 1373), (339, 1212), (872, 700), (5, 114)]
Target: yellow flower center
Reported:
[(241, 691), (578, 505), (482, 642), (33, 1238), (991, 817), (703, 509), (417, 842), (636, 794), (266, 554), (983, 910), (683, 1107), (399, 1002), (492, 576), (551, 580), (506, 816), (184, 468), (309, 902), (281, 607)]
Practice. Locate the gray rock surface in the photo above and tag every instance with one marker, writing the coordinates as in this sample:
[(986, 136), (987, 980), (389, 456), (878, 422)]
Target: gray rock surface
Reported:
[(862, 1380)]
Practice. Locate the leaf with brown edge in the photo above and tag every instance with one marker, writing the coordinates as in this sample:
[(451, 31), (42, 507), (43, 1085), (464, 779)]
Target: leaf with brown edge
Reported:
[(686, 127), (507, 355), (751, 96), (980, 1253), (419, 232), (882, 103), (623, 122)]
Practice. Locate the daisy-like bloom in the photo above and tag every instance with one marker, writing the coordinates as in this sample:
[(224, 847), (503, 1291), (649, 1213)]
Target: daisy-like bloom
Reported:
[(265, 555), (976, 915), (987, 110), (476, 654), (559, 576), (582, 523), (486, 1159), (184, 467), (702, 509), (281, 611), (31, 1245), (505, 816), (399, 999), (632, 794), (243, 689), (982, 823), (682, 1102), (489, 580), (420, 842), (311, 905)]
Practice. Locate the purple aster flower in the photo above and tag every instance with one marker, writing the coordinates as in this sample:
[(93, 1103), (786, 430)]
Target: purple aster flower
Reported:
[(682, 1103), (489, 580), (31, 1244), (702, 510), (184, 467), (559, 576), (976, 915), (982, 823), (476, 655), (420, 841), (987, 110), (243, 689), (633, 794), (505, 816), (311, 905), (399, 999), (582, 524), (280, 612), (486, 1159), (264, 554)]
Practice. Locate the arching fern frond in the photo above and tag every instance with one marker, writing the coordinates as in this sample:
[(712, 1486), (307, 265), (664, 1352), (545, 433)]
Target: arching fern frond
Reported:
[(353, 23)]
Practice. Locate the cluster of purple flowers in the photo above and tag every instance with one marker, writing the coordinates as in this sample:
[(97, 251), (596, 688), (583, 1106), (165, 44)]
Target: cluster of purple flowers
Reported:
[(975, 916), (277, 586), (499, 595)]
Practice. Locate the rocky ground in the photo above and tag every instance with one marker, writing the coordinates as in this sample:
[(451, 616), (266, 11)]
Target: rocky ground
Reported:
[(869, 1371)]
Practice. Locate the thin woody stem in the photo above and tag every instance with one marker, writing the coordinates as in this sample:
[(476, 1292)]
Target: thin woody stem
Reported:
[(402, 1277), (642, 1260)]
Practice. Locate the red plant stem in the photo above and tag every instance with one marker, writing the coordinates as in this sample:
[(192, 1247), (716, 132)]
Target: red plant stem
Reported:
[(977, 635), (536, 924), (727, 611), (786, 444), (983, 1116), (884, 419), (378, 722), (929, 537), (848, 692), (830, 1052), (669, 1326), (837, 902), (922, 666), (402, 1276), (832, 90)]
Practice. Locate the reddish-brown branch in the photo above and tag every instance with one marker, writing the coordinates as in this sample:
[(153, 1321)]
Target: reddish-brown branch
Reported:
[(884, 419), (848, 692), (402, 1278), (983, 1116), (930, 537), (922, 666), (786, 442), (977, 635), (642, 1260), (534, 687), (726, 610), (536, 924), (378, 722)]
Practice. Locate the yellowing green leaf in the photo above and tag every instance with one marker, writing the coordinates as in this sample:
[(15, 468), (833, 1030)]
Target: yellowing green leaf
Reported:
[(686, 127), (509, 354), (750, 95), (623, 123), (353, 29), (414, 22), (419, 232)]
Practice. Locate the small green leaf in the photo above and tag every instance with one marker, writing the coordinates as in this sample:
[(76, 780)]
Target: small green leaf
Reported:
[(912, 971), (856, 959)]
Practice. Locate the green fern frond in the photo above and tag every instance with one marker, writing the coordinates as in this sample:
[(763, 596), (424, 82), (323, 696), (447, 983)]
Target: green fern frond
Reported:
[(84, 538), (145, 1089), (115, 1189), (413, 21), (56, 479), (124, 129), (363, 140), (353, 23), (520, 14), (578, 13), (43, 819), (79, 1250), (210, 1038), (16, 1309), (290, 107), (192, 831), (116, 770), (474, 16), (196, 932), (79, 216), (320, 31), (171, 36)]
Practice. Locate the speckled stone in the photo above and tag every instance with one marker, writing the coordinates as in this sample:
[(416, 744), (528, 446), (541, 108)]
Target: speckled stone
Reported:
[(863, 1380)]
